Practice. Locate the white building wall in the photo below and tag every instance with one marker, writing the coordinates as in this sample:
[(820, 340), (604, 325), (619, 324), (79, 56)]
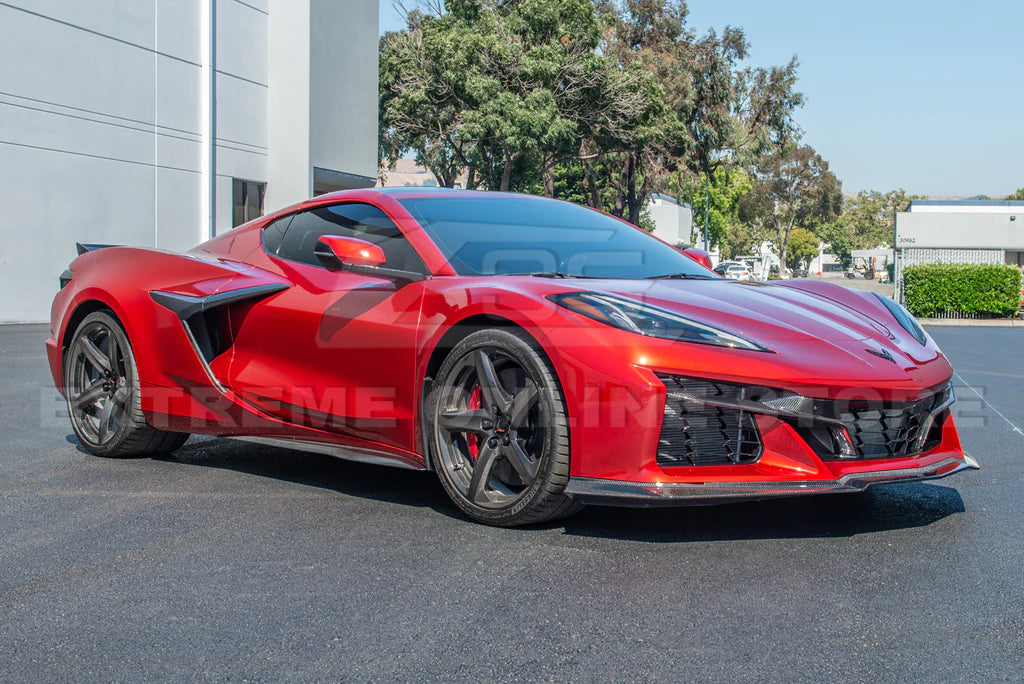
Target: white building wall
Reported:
[(290, 172), (343, 111), (102, 121), (999, 230), (672, 220), (241, 92)]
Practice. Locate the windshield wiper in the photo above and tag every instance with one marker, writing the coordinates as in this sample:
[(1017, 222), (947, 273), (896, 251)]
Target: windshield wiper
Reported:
[(681, 276), (553, 274)]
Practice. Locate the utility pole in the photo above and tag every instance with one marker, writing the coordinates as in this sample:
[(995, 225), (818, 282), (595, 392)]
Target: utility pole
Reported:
[(707, 195)]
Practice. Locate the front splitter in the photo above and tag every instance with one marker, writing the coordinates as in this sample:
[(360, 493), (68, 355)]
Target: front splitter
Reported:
[(652, 494)]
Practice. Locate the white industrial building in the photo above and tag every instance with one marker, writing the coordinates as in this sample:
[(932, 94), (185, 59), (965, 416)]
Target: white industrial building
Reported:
[(164, 122), (673, 220), (959, 232)]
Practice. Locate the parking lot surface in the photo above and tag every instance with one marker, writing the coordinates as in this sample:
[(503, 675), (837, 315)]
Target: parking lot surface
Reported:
[(234, 561)]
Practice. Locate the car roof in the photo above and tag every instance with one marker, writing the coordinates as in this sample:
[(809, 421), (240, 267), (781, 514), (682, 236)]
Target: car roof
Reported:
[(421, 191)]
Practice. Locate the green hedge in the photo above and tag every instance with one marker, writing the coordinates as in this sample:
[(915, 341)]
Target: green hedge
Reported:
[(939, 289)]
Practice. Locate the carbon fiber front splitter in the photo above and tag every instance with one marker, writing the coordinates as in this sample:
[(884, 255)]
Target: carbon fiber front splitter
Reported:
[(652, 494)]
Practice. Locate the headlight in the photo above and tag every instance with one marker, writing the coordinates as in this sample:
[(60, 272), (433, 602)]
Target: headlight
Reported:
[(904, 318), (644, 319)]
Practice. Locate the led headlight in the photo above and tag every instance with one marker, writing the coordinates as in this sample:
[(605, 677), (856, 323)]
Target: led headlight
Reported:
[(644, 319), (904, 318)]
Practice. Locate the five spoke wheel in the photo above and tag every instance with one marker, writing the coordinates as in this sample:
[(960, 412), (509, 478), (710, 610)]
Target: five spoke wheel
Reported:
[(98, 389), (491, 427), (500, 442), (101, 386)]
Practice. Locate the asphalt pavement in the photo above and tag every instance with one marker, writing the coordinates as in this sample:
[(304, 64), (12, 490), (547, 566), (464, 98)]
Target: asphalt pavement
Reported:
[(230, 561)]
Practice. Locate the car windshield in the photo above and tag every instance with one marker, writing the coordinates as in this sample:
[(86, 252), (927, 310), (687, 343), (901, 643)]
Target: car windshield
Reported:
[(486, 235)]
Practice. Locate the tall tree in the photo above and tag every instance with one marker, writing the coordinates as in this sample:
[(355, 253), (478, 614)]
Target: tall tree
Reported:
[(621, 92), (491, 86), (539, 70), (1017, 196), (792, 186), (721, 199), (738, 116), (422, 98), (713, 111), (645, 37)]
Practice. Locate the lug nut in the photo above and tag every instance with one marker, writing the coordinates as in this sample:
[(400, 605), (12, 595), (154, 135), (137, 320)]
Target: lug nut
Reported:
[(487, 424), (492, 442)]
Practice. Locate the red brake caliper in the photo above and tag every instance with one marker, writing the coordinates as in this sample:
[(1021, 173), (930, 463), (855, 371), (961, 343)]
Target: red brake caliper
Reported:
[(472, 439)]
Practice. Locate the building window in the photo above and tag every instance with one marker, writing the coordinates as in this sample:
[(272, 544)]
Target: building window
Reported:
[(246, 201)]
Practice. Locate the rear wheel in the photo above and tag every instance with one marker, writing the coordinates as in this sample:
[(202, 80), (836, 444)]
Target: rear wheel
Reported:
[(102, 390), (500, 437)]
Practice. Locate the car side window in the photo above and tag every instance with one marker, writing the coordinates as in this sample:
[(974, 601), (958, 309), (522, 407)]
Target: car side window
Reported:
[(354, 219), (273, 233)]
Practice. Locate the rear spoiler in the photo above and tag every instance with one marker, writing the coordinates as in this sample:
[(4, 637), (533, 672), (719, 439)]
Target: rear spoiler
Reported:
[(83, 248)]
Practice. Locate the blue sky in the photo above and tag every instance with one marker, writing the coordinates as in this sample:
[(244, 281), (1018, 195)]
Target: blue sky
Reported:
[(927, 96)]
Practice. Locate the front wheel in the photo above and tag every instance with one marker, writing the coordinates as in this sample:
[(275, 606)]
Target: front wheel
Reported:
[(499, 433), (102, 390)]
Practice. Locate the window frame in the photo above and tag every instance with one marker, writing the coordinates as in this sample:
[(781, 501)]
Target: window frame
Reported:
[(425, 270)]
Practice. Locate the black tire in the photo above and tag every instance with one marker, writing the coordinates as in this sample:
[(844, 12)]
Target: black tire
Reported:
[(102, 391), (499, 434)]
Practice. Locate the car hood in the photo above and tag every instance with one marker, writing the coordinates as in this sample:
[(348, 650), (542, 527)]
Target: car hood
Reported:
[(758, 310), (816, 321)]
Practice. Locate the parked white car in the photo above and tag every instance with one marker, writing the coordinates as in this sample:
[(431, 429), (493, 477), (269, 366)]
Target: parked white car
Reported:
[(735, 270)]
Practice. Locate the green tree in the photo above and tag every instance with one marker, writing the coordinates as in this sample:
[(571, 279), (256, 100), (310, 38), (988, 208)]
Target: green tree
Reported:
[(420, 99), (1017, 196), (803, 246), (489, 86), (738, 115), (871, 216), (866, 222), (706, 111), (724, 192), (648, 41), (608, 100), (839, 237), (790, 187)]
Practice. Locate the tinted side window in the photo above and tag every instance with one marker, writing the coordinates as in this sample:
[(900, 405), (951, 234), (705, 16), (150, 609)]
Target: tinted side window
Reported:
[(356, 220), (273, 234)]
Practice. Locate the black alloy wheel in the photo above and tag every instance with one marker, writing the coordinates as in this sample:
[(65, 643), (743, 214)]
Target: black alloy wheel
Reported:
[(101, 387), (500, 438)]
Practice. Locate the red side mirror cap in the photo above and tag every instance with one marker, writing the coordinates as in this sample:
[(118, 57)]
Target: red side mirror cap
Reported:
[(700, 256), (336, 252)]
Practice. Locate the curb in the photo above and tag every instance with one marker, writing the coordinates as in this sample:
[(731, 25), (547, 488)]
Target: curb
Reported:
[(973, 322)]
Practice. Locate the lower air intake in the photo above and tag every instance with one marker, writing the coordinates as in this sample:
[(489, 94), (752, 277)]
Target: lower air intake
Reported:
[(890, 430), (693, 433)]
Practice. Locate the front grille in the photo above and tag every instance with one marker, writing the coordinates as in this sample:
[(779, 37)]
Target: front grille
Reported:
[(693, 433), (696, 433)]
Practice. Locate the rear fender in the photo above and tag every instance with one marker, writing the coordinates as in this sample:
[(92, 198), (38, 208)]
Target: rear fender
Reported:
[(122, 279)]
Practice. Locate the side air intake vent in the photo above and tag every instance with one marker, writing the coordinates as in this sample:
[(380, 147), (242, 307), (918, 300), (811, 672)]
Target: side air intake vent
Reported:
[(695, 433)]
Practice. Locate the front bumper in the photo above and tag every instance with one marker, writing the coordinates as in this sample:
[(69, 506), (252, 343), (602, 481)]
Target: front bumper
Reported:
[(654, 494)]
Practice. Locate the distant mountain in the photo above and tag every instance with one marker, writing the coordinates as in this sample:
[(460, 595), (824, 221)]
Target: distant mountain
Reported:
[(850, 194)]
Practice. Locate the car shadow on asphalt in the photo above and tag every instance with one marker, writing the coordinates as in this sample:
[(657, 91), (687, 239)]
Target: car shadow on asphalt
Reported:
[(381, 483), (885, 508)]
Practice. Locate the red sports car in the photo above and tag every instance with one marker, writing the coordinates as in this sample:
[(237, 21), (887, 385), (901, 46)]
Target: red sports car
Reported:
[(536, 354)]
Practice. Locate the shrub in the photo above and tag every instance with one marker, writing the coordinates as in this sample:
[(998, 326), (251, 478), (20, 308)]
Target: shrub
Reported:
[(939, 289)]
